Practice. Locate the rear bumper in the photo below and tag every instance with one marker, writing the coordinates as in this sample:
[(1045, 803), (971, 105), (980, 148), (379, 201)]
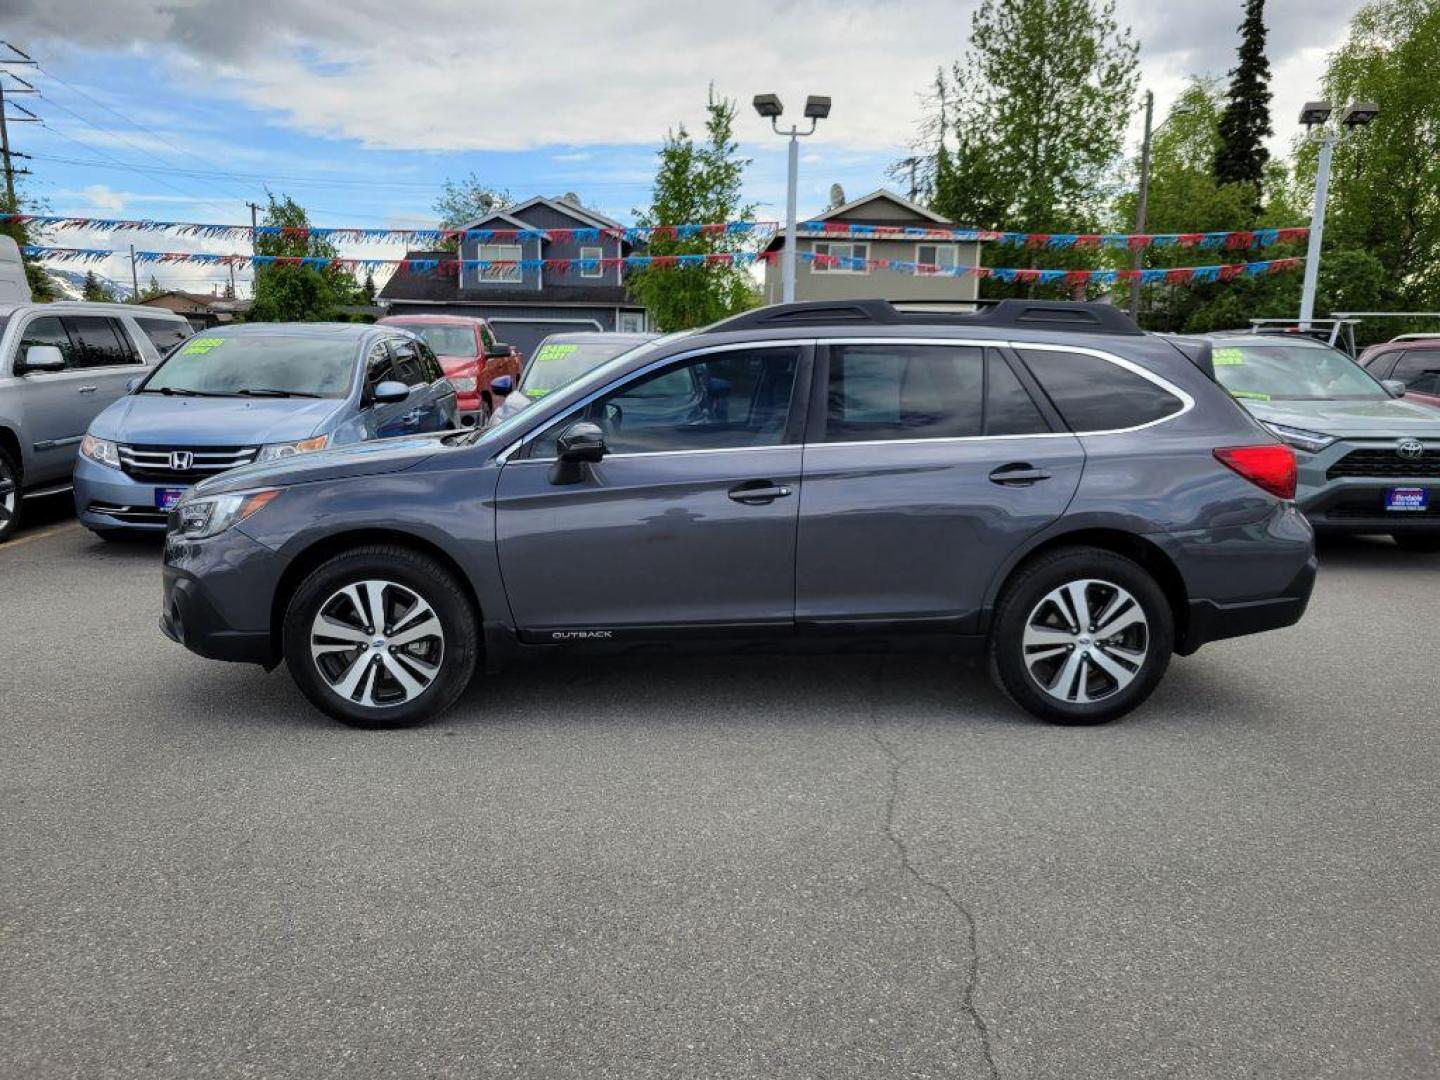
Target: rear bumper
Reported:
[(1210, 621)]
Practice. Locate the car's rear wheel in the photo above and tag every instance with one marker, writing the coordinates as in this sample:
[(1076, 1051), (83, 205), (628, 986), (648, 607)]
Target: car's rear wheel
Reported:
[(381, 636), (1081, 636), (1421, 542), (10, 500)]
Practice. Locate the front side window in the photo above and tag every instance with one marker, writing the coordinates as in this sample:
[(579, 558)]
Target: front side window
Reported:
[(99, 342), (503, 253), (217, 364), (884, 392), (595, 254), (47, 331), (1092, 394), (840, 251), (164, 334), (718, 401), (1287, 371), (1419, 370)]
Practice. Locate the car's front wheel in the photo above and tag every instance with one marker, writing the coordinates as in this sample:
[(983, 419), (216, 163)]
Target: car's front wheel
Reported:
[(1081, 636), (381, 636), (9, 497)]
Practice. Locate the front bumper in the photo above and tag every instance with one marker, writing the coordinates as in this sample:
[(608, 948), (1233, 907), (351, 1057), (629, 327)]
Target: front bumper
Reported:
[(106, 498), (1356, 504), (218, 596)]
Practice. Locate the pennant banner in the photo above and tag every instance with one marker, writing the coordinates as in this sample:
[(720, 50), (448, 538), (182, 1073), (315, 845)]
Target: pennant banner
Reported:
[(1232, 240), (1181, 275), (431, 237)]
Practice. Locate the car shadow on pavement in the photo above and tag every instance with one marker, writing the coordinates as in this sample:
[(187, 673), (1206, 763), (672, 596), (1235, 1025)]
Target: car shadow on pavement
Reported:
[(1371, 553)]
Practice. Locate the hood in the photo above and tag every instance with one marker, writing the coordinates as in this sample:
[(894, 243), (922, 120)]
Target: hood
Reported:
[(459, 365), (1384, 418), (360, 459), (155, 419)]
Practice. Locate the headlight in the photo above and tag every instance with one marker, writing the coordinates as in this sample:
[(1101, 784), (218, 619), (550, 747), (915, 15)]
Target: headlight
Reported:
[(290, 449), (465, 383), (102, 451), (200, 518), (1311, 442)]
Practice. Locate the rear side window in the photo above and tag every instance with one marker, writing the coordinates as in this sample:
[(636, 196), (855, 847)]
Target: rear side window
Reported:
[(1092, 394), (429, 362), (886, 392), (99, 342), (1009, 408), (164, 334)]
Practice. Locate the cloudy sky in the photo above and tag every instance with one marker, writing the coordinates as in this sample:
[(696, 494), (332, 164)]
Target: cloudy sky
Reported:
[(186, 109)]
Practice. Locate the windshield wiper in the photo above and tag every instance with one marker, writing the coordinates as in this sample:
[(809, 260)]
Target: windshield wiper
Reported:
[(180, 391), (266, 391)]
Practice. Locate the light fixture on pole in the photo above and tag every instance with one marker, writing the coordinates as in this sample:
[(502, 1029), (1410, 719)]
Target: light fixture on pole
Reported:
[(770, 108), (1318, 129)]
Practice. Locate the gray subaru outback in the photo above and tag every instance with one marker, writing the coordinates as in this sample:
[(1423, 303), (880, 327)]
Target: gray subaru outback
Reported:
[(1039, 483)]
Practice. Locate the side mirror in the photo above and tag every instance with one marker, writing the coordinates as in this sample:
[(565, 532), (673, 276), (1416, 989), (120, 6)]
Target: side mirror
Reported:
[(1393, 387), (498, 351), (44, 358), (390, 392), (580, 444)]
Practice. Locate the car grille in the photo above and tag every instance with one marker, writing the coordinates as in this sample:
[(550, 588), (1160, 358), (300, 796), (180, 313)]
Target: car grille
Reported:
[(157, 463), (1385, 463), (135, 515)]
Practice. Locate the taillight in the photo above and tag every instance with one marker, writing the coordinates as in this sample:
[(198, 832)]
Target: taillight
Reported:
[(1270, 466)]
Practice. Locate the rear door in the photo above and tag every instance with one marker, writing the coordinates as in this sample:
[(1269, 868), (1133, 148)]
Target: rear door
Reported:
[(686, 526), (105, 349), (926, 463)]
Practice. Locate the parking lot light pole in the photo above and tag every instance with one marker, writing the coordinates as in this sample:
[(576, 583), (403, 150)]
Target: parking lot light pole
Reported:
[(1315, 116), (770, 108)]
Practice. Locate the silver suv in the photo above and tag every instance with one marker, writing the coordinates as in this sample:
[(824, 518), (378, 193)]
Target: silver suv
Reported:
[(60, 365)]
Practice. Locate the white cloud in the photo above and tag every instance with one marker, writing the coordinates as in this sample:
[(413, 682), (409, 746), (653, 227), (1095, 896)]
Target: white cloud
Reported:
[(581, 74)]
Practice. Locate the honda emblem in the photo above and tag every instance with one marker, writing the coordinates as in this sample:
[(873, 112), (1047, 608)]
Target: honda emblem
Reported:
[(181, 460)]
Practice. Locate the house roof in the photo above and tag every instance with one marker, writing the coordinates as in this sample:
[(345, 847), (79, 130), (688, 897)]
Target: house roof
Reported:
[(580, 213), (498, 215), (925, 218)]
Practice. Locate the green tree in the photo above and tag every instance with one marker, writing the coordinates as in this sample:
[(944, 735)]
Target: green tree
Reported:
[(1034, 115), (462, 201), (697, 182), (42, 286), (96, 290), (297, 293), (367, 290), (152, 289), (1384, 206), (1245, 123)]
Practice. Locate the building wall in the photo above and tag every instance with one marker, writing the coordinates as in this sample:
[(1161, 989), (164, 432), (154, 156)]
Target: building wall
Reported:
[(885, 284)]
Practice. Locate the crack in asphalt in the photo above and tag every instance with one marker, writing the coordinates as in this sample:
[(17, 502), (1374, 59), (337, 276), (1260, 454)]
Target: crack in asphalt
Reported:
[(967, 998)]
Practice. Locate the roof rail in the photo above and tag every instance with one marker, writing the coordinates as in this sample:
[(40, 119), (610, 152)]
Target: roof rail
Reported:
[(1006, 314)]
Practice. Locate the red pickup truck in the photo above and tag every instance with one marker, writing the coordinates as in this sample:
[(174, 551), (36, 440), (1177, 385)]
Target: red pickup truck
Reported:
[(470, 355), (1414, 361)]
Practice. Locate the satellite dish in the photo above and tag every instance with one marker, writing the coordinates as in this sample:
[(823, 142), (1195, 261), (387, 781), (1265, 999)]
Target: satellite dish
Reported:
[(837, 196), (571, 198)]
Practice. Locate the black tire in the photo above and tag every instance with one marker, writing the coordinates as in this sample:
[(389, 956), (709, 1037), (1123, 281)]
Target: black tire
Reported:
[(1423, 543), (1022, 597), (10, 500), (408, 570)]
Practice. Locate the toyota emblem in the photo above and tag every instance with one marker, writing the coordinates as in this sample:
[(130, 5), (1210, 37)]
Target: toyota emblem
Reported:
[(181, 460), (1411, 449)]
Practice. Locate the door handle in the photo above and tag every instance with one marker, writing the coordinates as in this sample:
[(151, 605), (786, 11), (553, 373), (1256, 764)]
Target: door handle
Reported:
[(1018, 474), (758, 492), (87, 389)]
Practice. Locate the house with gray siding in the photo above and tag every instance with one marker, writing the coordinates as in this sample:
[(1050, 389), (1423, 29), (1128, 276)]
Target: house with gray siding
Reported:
[(525, 305), (880, 208)]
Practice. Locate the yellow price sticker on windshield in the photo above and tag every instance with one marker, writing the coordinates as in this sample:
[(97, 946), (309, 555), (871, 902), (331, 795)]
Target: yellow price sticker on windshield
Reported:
[(1229, 357), (201, 345), (554, 352), (1250, 395)]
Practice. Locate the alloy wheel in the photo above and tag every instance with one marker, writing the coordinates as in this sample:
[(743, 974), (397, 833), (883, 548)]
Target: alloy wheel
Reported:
[(9, 496), (377, 643), (1085, 641)]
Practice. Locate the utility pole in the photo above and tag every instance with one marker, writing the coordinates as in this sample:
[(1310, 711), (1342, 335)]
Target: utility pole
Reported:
[(254, 269), (1142, 204), (6, 120), (134, 277)]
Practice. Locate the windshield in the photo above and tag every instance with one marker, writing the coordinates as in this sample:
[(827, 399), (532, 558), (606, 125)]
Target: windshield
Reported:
[(270, 365), (443, 340), (557, 363), (1290, 372)]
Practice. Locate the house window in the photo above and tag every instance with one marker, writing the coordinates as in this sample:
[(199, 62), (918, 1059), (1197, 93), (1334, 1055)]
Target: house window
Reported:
[(592, 253), (632, 322), (500, 253), (840, 251), (929, 256)]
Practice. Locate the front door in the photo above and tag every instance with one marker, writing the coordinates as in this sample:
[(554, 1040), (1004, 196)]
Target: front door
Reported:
[(929, 466), (687, 525)]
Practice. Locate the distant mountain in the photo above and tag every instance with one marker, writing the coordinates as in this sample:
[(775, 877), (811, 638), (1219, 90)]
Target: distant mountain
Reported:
[(70, 284)]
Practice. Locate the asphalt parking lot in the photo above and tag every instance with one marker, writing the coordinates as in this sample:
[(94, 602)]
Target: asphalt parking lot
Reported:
[(835, 867)]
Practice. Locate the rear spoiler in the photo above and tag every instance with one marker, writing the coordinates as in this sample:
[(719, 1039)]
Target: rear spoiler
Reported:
[(1198, 351)]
